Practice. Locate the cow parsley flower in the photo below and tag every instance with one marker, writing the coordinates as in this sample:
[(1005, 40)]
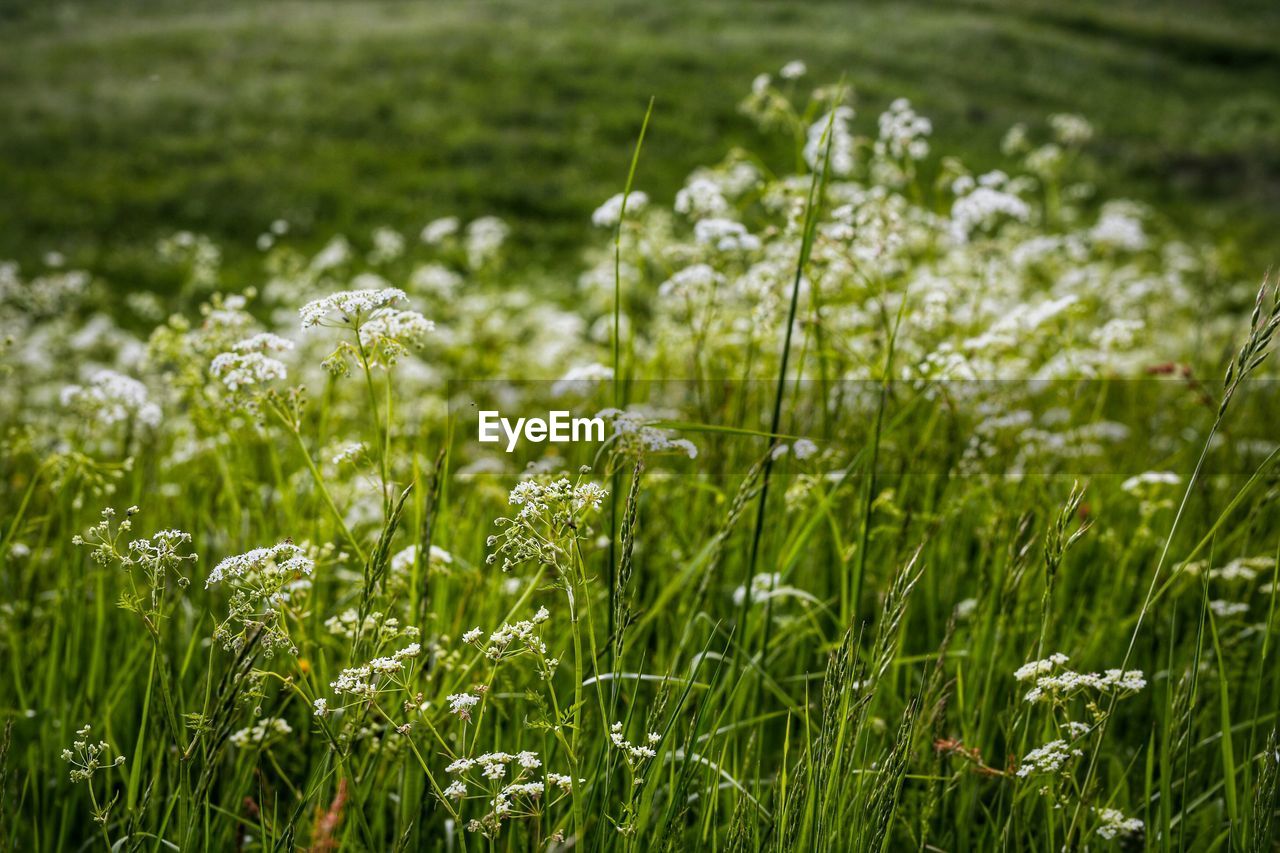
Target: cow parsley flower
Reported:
[(259, 581), (1148, 481), (460, 704), (1119, 227), (485, 237), (696, 283), (804, 448), (1070, 129), (634, 435), (1040, 667), (983, 208), (264, 730), (608, 214), (1049, 758), (278, 561), (552, 514), (439, 230), (1057, 687), (515, 638), (390, 332), (841, 142), (701, 198), (516, 792), (793, 70), (1114, 824), (725, 235), (87, 758), (334, 254), (1224, 609), (112, 398), (636, 755), (348, 308), (368, 680), (384, 332), (1242, 569), (155, 557), (247, 363), (435, 280), (762, 587), (903, 132), (388, 244)]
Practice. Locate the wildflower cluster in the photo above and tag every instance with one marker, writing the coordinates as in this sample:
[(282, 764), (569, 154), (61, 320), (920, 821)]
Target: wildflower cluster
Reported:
[(510, 785), (550, 516), (1050, 758), (383, 333), (1056, 686), (112, 398), (1113, 823), (267, 729), (155, 558), (247, 364), (635, 435), (378, 625), (514, 639), (86, 759), (636, 755), (888, 270), (263, 583), (381, 675), (348, 309), (608, 214)]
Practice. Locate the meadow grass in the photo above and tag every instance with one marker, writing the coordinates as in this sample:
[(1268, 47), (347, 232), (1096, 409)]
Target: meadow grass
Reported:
[(937, 511), (124, 123)]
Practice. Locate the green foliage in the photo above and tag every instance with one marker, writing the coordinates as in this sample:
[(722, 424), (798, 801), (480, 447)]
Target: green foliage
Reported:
[(124, 122)]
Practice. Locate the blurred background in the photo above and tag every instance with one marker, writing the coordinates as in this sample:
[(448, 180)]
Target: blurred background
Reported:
[(122, 122)]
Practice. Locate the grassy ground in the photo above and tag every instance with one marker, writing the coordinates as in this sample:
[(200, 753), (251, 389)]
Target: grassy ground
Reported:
[(117, 128)]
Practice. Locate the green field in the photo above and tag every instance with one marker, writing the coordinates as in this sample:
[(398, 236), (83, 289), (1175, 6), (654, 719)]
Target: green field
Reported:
[(929, 496), (121, 122)]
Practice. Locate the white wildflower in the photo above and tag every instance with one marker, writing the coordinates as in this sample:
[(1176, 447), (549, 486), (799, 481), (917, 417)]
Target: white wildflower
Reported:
[(1114, 823), (607, 214), (1224, 609), (793, 70), (1049, 758), (1146, 480), (263, 730), (112, 398), (840, 145), (725, 235), (701, 198), (460, 704), (804, 448), (348, 307), (1039, 667), (983, 208), (485, 237), (438, 230), (282, 560)]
